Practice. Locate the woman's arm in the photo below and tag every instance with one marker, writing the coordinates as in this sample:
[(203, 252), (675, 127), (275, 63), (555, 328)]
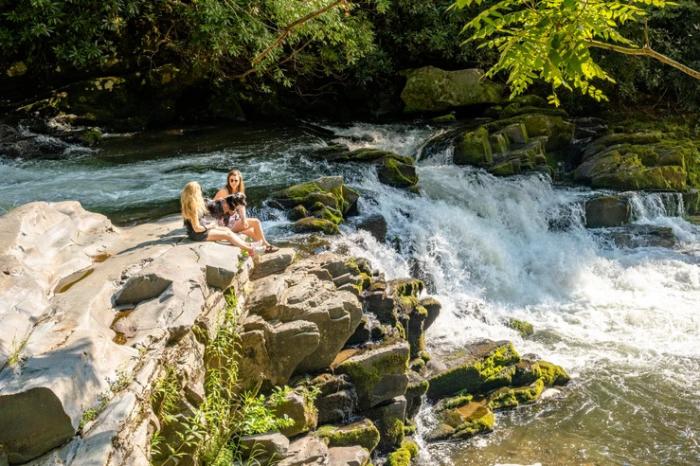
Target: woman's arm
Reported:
[(221, 193), (244, 217)]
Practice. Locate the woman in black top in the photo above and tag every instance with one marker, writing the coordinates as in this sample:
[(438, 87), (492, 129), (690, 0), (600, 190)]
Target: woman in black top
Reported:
[(193, 208)]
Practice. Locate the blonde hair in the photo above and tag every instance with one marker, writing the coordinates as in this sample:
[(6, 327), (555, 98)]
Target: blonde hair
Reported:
[(192, 203), (241, 184)]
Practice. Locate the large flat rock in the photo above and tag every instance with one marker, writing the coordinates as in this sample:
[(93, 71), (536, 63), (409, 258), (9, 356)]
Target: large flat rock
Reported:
[(84, 307)]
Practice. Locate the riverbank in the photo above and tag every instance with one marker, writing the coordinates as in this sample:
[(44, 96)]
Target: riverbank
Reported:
[(99, 320)]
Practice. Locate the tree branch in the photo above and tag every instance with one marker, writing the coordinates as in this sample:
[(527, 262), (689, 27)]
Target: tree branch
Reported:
[(646, 52)]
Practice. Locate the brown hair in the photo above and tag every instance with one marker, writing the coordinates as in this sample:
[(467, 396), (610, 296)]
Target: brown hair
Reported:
[(241, 184)]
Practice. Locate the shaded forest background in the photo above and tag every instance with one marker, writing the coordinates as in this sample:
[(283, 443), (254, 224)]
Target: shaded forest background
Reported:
[(172, 60)]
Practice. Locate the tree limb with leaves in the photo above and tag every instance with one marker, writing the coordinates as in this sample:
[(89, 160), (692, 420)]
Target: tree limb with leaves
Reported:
[(551, 40)]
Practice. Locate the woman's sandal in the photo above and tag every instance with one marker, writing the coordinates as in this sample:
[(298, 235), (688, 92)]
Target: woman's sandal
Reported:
[(270, 248)]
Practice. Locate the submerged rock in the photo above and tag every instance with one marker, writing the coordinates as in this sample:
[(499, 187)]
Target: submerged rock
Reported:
[(431, 89), (461, 418)]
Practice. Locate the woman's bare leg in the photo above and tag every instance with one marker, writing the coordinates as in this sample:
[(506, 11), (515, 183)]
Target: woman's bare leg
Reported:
[(224, 234), (255, 230)]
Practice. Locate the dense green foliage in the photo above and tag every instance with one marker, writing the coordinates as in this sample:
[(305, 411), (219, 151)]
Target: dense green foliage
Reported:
[(211, 38), (552, 40), (259, 51)]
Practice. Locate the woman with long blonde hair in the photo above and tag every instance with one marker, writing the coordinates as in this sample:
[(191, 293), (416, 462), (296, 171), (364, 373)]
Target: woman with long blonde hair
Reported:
[(193, 209), (238, 221)]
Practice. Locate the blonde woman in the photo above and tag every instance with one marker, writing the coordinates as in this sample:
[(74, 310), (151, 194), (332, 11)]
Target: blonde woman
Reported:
[(237, 221), (193, 209)]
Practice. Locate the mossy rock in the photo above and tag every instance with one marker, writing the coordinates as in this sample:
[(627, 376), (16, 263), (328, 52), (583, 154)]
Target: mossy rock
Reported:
[(477, 374), (661, 166), (524, 328), (508, 397), (408, 451), (553, 374), (312, 224), (397, 172), (363, 433), (431, 89), (474, 148), (378, 374), (556, 128), (464, 421)]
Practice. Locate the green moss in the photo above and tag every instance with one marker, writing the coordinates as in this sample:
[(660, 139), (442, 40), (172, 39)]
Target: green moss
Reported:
[(298, 213), (395, 433), (311, 224), (363, 433), (524, 328), (399, 172), (407, 287), (447, 118), (506, 398), (481, 421), (474, 148), (412, 447), (457, 401), (478, 376), (504, 169), (400, 457), (327, 213), (553, 374)]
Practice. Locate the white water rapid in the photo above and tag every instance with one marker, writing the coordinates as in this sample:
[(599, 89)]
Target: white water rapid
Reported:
[(624, 322)]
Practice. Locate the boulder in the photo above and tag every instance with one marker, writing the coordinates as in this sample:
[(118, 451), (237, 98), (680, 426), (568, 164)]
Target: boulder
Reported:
[(299, 409), (348, 456), (514, 145), (376, 225), (399, 172), (306, 451), (319, 205), (272, 263), (378, 374), (431, 89), (417, 387), (524, 328), (640, 236), (607, 211), (363, 433), (389, 419), (336, 401), (461, 418), (265, 447), (477, 369), (635, 162), (72, 353)]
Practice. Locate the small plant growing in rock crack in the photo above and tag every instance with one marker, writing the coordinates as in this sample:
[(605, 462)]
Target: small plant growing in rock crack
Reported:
[(210, 433), (115, 386), (15, 358)]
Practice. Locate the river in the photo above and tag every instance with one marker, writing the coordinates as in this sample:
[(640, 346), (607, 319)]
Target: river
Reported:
[(623, 321)]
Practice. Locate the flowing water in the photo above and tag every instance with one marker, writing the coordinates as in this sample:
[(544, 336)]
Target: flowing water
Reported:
[(623, 321)]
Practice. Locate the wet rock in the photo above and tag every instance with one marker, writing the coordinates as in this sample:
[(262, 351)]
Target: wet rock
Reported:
[(265, 447), (417, 387), (607, 211), (691, 201), (514, 145), (389, 419), (508, 398), (639, 161), (479, 368), (399, 172), (431, 89), (375, 224), (404, 455), (326, 201), (348, 456), (638, 236), (378, 374), (461, 418), (363, 433), (524, 328)]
